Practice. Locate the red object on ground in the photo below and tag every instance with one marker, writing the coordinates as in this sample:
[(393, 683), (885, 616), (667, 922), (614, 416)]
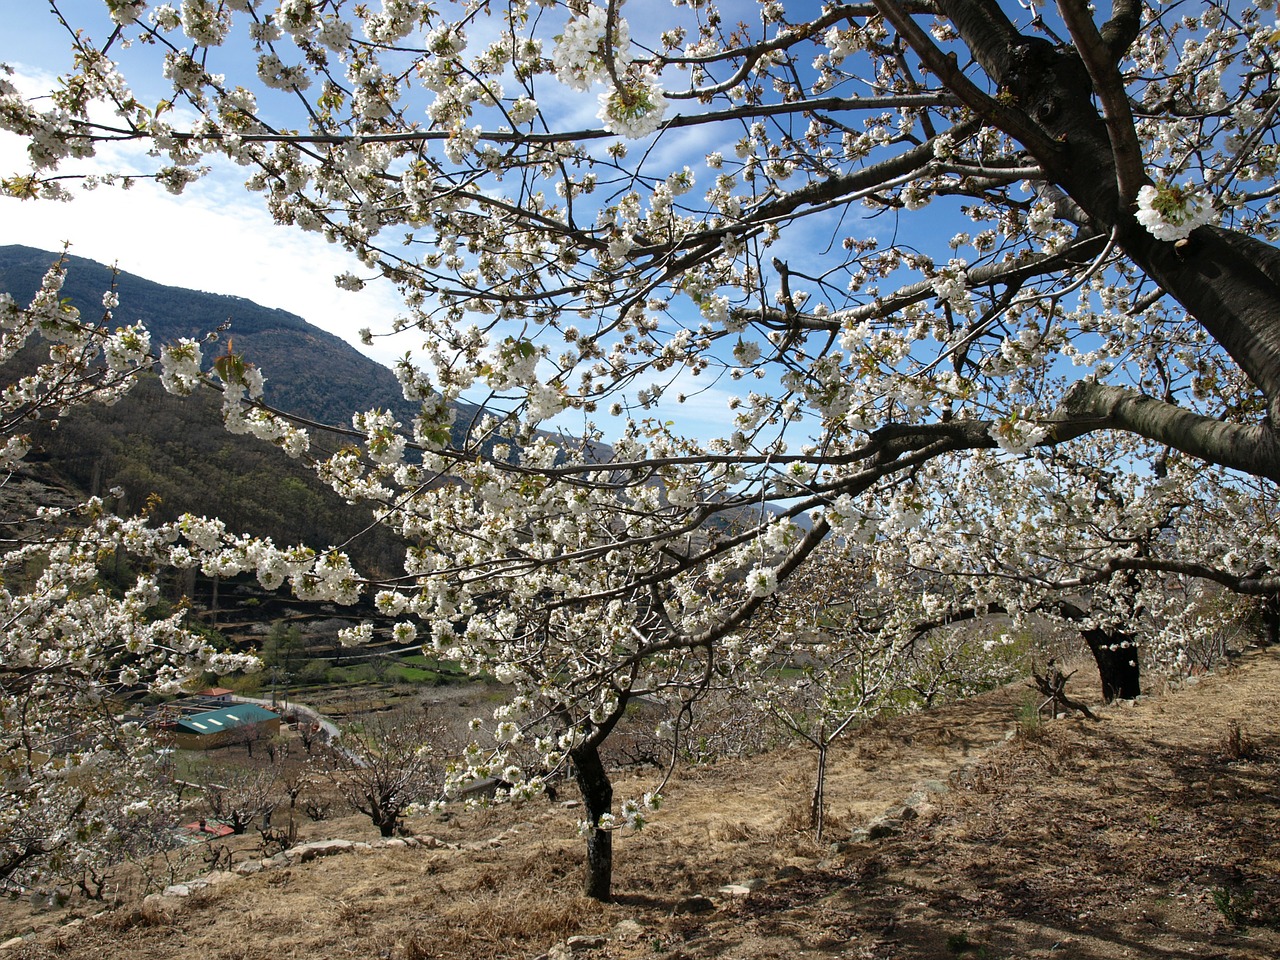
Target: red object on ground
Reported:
[(212, 829)]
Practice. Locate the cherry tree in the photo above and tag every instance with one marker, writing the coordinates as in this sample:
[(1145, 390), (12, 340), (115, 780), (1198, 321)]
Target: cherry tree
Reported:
[(911, 240), (76, 774), (387, 764), (240, 797), (1121, 558), (823, 634)]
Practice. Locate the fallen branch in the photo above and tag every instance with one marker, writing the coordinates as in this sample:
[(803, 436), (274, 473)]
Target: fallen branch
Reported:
[(1053, 684)]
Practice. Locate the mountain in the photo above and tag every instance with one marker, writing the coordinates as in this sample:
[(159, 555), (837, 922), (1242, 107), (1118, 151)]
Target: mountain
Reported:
[(171, 455), (310, 372)]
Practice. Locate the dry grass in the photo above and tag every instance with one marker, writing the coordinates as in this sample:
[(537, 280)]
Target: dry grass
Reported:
[(1147, 834)]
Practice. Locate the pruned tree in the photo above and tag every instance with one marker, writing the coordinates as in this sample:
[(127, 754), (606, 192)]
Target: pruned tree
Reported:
[(843, 642), (241, 798), (937, 239), (387, 762)]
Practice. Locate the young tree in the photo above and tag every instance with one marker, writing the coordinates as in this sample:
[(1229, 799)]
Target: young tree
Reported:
[(388, 762), (1105, 290), (283, 647), (239, 797), (844, 642)]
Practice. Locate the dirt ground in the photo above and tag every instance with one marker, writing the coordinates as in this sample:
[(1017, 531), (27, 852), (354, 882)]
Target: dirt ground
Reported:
[(1151, 832)]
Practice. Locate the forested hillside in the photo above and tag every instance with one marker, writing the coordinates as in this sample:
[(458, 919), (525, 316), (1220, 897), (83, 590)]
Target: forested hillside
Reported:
[(152, 444), (309, 372)]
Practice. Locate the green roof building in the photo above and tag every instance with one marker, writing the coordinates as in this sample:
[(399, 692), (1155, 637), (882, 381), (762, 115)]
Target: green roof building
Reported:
[(214, 728)]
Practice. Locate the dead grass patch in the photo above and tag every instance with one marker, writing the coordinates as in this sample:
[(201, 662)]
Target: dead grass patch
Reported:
[(1100, 841), (1236, 744)]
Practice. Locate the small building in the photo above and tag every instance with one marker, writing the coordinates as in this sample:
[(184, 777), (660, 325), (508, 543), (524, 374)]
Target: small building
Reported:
[(216, 728), (220, 694)]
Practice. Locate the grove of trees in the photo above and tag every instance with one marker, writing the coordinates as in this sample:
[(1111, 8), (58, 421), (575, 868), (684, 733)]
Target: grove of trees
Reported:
[(990, 293)]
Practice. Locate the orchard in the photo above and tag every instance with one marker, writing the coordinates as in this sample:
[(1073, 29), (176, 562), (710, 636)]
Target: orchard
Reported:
[(985, 295)]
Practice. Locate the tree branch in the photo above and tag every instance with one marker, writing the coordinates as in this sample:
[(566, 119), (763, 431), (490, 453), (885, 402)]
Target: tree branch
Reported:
[(1099, 60), (1251, 448), (1122, 29), (1012, 121)]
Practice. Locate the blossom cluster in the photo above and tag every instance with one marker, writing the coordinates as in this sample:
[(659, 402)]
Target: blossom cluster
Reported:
[(1171, 212), (593, 50)]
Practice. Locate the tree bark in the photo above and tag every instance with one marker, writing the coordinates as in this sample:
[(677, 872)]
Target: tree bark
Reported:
[(597, 797), (1118, 669), (1228, 282), (1271, 620), (818, 805), (383, 818), (1251, 448)]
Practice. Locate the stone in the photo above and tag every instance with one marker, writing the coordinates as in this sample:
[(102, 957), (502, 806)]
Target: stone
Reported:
[(882, 827), (249, 867), (628, 930), (576, 947), (321, 848), (922, 796)]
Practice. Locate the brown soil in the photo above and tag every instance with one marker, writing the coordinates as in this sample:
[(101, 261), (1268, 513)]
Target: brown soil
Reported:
[(1151, 832)]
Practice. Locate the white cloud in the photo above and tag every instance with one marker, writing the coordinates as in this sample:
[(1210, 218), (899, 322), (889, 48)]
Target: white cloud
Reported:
[(215, 237)]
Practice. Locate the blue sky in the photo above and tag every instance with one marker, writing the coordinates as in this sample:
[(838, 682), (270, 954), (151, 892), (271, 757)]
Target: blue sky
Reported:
[(217, 236), (214, 237)]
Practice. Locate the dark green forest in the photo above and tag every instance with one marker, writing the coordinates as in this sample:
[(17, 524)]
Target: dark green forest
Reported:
[(154, 445)]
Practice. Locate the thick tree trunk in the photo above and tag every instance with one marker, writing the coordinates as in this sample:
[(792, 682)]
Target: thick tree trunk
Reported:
[(1271, 621), (1116, 654), (597, 797), (1228, 282), (383, 818)]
